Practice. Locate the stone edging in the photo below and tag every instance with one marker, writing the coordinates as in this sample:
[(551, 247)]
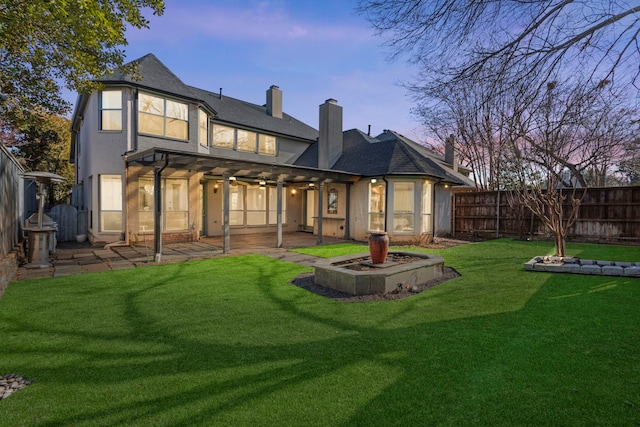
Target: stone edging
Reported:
[(583, 266)]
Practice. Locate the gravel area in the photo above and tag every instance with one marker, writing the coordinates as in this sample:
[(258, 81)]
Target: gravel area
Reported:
[(306, 281)]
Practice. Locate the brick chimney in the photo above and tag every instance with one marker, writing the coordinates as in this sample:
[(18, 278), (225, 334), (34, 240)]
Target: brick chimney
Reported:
[(274, 102), (330, 134)]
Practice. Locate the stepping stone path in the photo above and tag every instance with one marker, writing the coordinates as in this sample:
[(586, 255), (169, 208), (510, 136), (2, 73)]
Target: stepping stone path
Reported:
[(11, 383)]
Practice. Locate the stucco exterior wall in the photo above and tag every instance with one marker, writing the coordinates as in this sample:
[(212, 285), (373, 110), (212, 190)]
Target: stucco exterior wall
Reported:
[(333, 224), (442, 221), (425, 222)]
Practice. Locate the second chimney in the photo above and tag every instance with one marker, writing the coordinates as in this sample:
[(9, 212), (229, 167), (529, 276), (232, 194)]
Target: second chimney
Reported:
[(450, 152), (330, 134), (274, 102)]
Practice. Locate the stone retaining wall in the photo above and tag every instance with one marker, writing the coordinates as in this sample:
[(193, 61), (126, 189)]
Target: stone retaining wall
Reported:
[(583, 266)]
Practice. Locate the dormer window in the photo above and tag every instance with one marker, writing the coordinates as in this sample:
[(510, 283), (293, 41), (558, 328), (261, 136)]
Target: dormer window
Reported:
[(111, 110), (164, 117)]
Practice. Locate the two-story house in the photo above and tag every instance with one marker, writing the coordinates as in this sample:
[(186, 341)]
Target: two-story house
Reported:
[(159, 160)]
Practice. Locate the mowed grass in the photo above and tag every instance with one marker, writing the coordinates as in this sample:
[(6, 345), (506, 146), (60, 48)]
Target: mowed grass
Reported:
[(229, 341)]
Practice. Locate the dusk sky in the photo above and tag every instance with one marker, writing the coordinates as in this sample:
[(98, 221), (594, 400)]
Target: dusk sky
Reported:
[(312, 50)]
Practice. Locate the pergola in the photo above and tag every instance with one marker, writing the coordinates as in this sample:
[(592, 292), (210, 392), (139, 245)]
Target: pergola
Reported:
[(215, 167)]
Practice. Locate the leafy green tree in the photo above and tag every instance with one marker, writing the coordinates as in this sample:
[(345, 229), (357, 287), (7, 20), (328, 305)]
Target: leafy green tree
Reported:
[(43, 145), (47, 44)]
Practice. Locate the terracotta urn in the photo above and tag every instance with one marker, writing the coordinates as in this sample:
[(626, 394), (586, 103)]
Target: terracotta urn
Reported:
[(378, 246)]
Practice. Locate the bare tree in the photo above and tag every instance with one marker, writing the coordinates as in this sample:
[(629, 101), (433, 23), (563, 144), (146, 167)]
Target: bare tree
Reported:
[(459, 38)]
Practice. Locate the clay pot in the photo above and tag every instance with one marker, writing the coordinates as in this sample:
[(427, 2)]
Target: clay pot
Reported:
[(378, 246)]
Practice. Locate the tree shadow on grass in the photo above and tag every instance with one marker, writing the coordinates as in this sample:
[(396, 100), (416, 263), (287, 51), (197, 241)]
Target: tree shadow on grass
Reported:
[(260, 351)]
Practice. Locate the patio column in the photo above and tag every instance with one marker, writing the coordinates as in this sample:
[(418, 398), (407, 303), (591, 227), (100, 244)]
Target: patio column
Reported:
[(320, 209), (225, 213), (157, 210), (279, 213)]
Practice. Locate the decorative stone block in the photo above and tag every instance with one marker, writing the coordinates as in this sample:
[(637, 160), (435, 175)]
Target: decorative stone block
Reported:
[(555, 268), (572, 268), (530, 265), (623, 263), (633, 271), (603, 263), (612, 270), (591, 269), (587, 262)]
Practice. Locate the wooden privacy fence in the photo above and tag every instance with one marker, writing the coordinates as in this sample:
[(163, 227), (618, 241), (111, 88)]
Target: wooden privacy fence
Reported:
[(607, 214)]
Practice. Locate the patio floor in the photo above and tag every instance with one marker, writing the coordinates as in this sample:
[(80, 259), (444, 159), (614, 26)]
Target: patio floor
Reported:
[(75, 258)]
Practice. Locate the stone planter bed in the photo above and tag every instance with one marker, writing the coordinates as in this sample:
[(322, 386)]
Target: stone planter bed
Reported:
[(583, 266)]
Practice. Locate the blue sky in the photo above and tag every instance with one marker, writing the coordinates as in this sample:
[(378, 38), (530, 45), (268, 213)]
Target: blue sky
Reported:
[(312, 50)]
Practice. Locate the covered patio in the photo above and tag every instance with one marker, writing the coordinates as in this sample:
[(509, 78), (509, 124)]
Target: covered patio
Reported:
[(227, 170)]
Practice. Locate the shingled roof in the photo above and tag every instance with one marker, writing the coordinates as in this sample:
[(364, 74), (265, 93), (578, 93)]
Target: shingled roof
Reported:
[(155, 76), (387, 154)]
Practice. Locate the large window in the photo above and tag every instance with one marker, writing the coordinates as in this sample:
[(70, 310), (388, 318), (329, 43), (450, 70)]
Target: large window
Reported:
[(376, 206), (223, 136), (273, 205), (110, 203), (111, 110), (146, 204), (175, 201), (403, 203), (427, 207), (236, 204), (159, 116), (243, 140), (246, 140), (267, 144), (256, 205), (203, 128), (176, 204)]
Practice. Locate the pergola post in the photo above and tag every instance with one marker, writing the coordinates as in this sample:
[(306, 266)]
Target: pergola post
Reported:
[(320, 210), (225, 214), (157, 209), (279, 213)]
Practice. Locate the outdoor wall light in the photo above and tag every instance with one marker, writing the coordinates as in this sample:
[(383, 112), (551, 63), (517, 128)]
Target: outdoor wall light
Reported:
[(293, 192), (215, 187), (311, 184), (373, 180)]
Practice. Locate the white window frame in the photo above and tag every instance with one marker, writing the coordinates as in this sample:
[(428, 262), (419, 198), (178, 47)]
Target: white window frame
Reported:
[(107, 108), (203, 128), (110, 191), (222, 130), (168, 114), (404, 212), (272, 202), (374, 206), (146, 211)]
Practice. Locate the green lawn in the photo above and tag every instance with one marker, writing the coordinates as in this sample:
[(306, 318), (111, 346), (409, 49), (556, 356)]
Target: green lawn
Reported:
[(229, 341)]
